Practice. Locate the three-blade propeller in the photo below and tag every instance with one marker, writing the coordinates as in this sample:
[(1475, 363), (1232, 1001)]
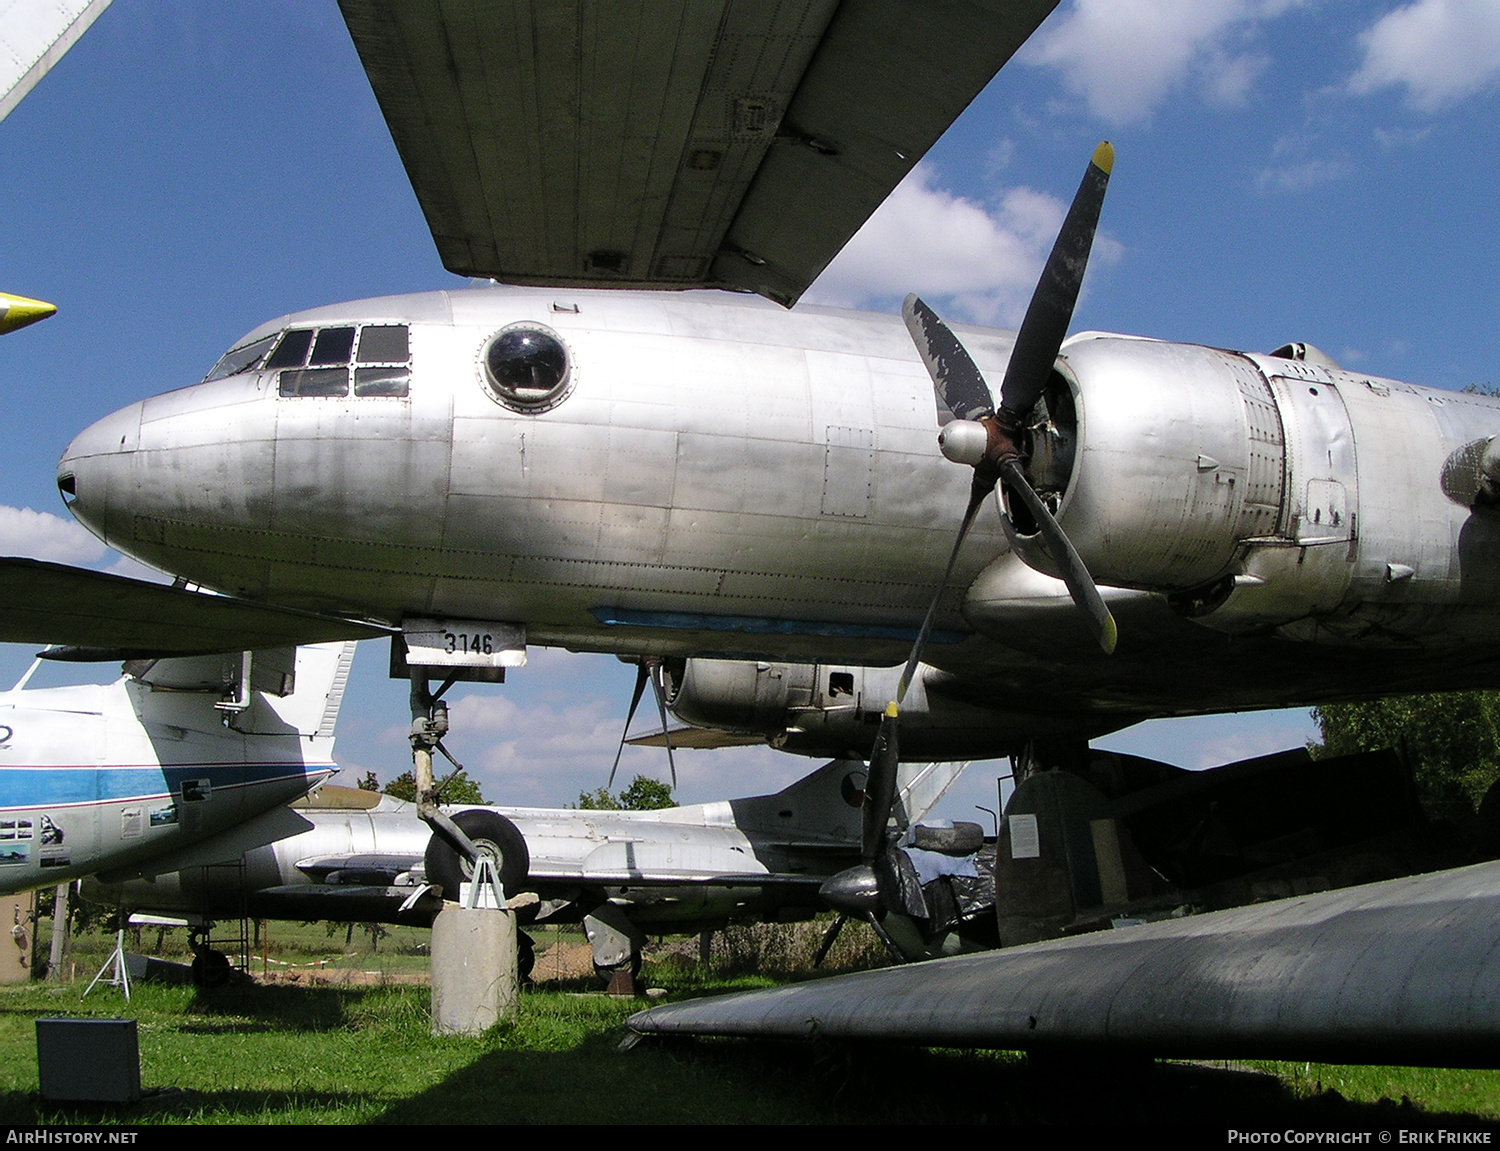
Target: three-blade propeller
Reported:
[(992, 440)]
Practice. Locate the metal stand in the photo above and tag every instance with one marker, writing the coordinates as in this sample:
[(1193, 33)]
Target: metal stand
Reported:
[(115, 964), (485, 875)]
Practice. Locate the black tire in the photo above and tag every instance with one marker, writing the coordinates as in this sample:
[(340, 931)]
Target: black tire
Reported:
[(494, 835), (210, 968)]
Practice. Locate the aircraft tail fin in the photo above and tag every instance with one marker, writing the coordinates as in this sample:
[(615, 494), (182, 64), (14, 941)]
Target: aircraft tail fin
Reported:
[(826, 803), (922, 785), (271, 691), (322, 675)]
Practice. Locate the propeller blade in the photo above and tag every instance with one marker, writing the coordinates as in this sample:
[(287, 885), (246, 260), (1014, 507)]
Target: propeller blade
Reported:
[(635, 701), (830, 937), (1051, 308), (956, 378), (1080, 584), (661, 708), (880, 784)]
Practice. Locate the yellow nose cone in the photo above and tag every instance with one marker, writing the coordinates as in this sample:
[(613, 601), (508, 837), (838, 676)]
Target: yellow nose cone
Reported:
[(18, 311)]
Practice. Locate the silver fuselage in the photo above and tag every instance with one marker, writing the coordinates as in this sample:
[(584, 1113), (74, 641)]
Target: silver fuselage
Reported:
[(726, 478)]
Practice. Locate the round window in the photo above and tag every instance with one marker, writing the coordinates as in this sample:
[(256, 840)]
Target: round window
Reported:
[(525, 367)]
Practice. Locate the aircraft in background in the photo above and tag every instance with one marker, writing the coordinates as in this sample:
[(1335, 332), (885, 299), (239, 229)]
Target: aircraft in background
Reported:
[(622, 874), (139, 776)]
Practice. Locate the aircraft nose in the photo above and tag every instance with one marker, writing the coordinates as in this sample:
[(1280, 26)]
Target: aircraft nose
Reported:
[(94, 472)]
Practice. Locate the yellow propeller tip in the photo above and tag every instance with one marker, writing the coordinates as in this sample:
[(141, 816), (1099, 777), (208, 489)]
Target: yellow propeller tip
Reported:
[(1110, 636), (1104, 157), (18, 311), (893, 710)]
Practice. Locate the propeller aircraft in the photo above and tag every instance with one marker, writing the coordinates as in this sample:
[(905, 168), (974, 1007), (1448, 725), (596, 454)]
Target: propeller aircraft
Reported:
[(591, 455)]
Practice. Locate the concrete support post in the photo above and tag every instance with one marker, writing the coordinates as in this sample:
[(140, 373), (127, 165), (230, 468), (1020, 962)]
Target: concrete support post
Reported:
[(474, 979)]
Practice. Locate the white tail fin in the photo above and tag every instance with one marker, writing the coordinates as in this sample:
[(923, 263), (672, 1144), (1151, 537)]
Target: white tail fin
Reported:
[(322, 674), (922, 785), (826, 803)]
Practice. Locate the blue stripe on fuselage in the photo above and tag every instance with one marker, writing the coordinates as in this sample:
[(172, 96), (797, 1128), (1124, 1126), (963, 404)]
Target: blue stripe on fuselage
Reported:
[(60, 786)]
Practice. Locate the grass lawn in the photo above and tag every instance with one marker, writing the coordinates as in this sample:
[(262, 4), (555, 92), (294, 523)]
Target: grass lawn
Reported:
[(322, 1051)]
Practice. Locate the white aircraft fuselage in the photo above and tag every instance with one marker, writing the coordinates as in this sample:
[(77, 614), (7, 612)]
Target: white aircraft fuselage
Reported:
[(711, 475), (122, 777)]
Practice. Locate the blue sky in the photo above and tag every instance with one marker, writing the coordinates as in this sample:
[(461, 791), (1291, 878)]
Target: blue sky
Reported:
[(1286, 171)]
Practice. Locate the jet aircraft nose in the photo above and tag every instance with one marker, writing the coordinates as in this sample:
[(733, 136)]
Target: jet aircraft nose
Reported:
[(94, 474)]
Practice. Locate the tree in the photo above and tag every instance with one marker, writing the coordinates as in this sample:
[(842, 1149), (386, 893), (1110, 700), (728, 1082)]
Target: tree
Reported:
[(457, 788), (369, 782), (641, 795), (1451, 741)]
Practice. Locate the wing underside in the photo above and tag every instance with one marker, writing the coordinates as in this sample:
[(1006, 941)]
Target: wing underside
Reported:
[(119, 618), (672, 144)]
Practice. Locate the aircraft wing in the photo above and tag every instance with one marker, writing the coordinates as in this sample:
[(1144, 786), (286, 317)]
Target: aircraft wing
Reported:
[(685, 735), (675, 143), (1402, 972), (120, 618), (34, 37)]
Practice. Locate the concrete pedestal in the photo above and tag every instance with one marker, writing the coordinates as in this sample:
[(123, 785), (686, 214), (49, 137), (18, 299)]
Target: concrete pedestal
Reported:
[(474, 980)]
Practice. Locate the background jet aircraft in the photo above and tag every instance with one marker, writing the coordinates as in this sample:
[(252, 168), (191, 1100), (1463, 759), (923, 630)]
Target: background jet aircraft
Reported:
[(18, 311), (624, 874), (132, 778)]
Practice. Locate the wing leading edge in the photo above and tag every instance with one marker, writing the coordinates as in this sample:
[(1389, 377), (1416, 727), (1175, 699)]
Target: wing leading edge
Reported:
[(671, 144), (120, 618), (1400, 972)]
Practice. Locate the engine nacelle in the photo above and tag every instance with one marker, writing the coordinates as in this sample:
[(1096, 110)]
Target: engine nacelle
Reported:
[(1179, 460), (833, 711), (1231, 482)]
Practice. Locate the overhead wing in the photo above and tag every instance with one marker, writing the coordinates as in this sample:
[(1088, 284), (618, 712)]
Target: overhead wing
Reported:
[(1397, 972), (670, 143), (686, 735), (34, 37), (120, 618)]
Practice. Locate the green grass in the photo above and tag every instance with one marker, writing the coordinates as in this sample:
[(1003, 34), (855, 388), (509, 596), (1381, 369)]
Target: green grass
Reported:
[(329, 1053)]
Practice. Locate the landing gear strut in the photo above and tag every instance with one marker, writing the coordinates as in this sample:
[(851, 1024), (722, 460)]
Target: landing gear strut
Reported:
[(429, 723)]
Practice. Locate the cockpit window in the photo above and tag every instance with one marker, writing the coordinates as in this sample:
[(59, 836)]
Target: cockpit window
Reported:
[(380, 367), (332, 347), (240, 359), (292, 351), (314, 382), (383, 344), (526, 368)]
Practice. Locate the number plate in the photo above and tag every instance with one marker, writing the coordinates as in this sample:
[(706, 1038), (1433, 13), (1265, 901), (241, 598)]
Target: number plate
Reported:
[(464, 643)]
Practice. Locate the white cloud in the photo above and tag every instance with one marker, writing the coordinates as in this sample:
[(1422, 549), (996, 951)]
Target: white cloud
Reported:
[(984, 261), (1300, 176), (134, 569), (1391, 139), (44, 536), (1125, 56), (544, 752), (1441, 50)]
